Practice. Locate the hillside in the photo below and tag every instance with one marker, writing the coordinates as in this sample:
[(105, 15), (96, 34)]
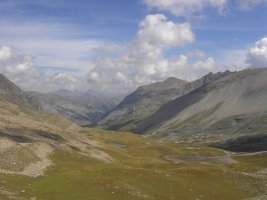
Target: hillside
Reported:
[(234, 104), (146, 100), (13, 94), (27, 138)]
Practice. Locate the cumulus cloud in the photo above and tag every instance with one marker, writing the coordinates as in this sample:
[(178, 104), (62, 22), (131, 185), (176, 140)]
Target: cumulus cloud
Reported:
[(145, 61), (157, 31), (257, 55), (186, 8)]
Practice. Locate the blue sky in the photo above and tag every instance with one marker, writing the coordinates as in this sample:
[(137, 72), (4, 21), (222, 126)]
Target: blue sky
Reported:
[(110, 46)]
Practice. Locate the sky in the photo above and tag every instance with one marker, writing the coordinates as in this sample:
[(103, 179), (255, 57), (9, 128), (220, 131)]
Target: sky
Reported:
[(115, 46)]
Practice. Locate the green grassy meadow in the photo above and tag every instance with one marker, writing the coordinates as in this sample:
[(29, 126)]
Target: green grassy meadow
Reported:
[(139, 171)]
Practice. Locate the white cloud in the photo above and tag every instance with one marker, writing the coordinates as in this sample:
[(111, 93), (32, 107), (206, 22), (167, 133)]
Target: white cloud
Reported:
[(183, 68), (208, 65), (5, 53), (194, 8), (60, 78), (232, 59), (249, 4), (188, 7), (144, 61), (257, 55), (156, 31), (14, 63)]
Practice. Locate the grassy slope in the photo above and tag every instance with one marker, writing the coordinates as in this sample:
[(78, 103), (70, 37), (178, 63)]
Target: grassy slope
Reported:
[(138, 172)]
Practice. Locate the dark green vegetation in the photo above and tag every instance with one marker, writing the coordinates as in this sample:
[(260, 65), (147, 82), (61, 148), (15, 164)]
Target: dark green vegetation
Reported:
[(139, 171)]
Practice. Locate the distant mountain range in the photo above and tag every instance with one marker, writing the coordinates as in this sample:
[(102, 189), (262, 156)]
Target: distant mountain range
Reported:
[(91, 100), (81, 108)]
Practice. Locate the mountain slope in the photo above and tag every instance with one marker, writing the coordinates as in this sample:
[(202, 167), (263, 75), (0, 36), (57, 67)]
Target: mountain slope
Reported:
[(146, 100), (142, 103), (27, 138), (13, 94), (233, 104)]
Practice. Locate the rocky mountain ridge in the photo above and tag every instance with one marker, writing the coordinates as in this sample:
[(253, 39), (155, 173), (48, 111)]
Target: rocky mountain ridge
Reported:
[(146, 100)]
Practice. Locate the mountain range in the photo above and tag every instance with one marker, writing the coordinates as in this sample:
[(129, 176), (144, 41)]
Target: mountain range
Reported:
[(214, 107), (146, 100), (81, 108)]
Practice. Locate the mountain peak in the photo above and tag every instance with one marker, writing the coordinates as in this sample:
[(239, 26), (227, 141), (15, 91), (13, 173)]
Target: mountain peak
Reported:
[(173, 80)]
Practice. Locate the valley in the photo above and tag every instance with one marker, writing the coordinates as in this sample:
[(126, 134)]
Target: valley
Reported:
[(139, 170), (133, 100), (179, 154)]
